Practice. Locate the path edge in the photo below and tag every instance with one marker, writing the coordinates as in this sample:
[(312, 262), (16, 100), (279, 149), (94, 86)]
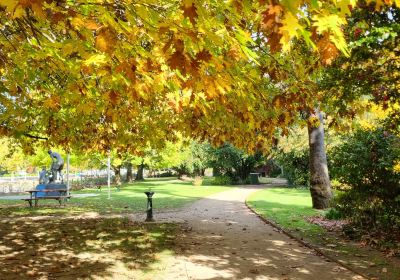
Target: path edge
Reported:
[(304, 243)]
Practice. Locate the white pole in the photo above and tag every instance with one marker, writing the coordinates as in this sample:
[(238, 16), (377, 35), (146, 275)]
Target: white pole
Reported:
[(109, 175), (68, 174)]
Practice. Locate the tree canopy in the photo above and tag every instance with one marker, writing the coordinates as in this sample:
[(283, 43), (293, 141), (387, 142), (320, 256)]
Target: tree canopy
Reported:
[(99, 74)]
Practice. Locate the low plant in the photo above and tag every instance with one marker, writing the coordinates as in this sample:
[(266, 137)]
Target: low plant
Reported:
[(222, 181)]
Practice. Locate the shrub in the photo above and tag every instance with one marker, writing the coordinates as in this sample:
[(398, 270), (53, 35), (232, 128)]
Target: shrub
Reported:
[(366, 161), (222, 180), (295, 167), (333, 214)]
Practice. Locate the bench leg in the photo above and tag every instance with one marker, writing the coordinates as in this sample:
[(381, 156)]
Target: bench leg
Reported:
[(30, 203), (36, 202)]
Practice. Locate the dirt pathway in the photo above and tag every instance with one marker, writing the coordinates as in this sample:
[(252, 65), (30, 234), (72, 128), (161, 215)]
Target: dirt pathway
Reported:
[(225, 240)]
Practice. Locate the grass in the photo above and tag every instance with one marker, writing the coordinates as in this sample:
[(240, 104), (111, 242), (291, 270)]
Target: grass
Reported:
[(289, 208), (169, 193), (83, 249)]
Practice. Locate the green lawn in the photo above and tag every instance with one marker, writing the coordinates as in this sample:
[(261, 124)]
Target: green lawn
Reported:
[(169, 193), (289, 207)]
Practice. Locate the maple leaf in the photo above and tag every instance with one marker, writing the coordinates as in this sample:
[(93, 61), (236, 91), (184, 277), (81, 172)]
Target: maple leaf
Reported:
[(204, 56), (327, 50), (289, 29), (190, 11), (113, 97), (178, 61), (271, 24), (105, 40)]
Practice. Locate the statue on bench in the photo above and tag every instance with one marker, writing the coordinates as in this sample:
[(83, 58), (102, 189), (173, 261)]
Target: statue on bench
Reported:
[(53, 175), (51, 185), (57, 165)]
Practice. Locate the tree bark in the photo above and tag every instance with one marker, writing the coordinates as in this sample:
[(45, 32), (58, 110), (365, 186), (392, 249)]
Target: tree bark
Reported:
[(321, 192), (129, 174), (139, 174), (117, 174)]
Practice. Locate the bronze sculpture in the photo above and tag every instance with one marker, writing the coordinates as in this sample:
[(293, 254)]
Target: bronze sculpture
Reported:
[(57, 165)]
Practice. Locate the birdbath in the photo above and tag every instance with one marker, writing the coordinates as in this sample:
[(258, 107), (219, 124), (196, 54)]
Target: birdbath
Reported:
[(149, 211)]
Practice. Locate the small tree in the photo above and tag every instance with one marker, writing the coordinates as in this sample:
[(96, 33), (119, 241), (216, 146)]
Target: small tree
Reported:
[(234, 163)]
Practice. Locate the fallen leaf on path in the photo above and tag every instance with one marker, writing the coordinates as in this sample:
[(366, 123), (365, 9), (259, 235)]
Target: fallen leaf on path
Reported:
[(254, 271), (331, 245)]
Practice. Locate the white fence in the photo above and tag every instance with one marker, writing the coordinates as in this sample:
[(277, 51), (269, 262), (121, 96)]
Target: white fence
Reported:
[(17, 186)]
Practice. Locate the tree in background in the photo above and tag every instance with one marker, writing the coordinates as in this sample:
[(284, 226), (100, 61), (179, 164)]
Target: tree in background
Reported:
[(195, 159), (234, 163), (12, 158)]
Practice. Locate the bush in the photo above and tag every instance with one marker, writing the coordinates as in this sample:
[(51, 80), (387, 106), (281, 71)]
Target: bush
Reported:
[(333, 214), (366, 161), (168, 173), (222, 181), (295, 167)]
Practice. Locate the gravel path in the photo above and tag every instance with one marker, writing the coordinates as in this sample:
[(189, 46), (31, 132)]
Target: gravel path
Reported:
[(225, 240)]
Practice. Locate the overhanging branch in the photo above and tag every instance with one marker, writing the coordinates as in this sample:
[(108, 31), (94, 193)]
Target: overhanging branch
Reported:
[(35, 137)]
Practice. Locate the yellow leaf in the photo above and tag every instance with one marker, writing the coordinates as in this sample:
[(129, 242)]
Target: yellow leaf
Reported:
[(332, 23), (105, 40), (13, 7), (290, 28), (96, 59), (52, 102)]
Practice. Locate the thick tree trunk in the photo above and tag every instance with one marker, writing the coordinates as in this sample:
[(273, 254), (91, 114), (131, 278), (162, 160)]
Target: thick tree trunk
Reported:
[(321, 192), (139, 174), (129, 174), (117, 174)]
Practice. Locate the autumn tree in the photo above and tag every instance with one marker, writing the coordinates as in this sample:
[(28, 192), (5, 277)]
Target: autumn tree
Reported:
[(99, 75)]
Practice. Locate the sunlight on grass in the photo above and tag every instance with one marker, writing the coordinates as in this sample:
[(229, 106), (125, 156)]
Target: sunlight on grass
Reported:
[(95, 248), (170, 193), (287, 207)]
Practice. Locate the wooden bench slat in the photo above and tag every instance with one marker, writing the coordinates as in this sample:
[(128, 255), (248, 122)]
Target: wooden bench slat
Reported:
[(44, 197)]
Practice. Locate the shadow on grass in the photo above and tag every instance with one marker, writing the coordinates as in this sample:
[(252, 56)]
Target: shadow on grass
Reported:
[(169, 194), (229, 242), (80, 249)]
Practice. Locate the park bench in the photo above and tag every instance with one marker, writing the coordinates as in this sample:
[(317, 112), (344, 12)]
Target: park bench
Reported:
[(41, 192)]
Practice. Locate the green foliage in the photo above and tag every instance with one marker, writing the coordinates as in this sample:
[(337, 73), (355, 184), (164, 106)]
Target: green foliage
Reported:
[(333, 214), (367, 162), (372, 70), (222, 180), (194, 159), (234, 163), (295, 167)]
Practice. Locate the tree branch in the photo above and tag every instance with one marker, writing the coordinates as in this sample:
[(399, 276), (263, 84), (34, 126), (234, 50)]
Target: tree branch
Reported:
[(35, 137)]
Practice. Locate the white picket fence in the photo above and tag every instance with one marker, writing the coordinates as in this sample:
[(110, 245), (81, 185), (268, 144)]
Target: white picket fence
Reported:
[(17, 186)]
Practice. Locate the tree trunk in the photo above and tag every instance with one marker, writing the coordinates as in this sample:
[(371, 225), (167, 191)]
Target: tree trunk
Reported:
[(117, 174), (139, 174), (321, 192), (129, 175)]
